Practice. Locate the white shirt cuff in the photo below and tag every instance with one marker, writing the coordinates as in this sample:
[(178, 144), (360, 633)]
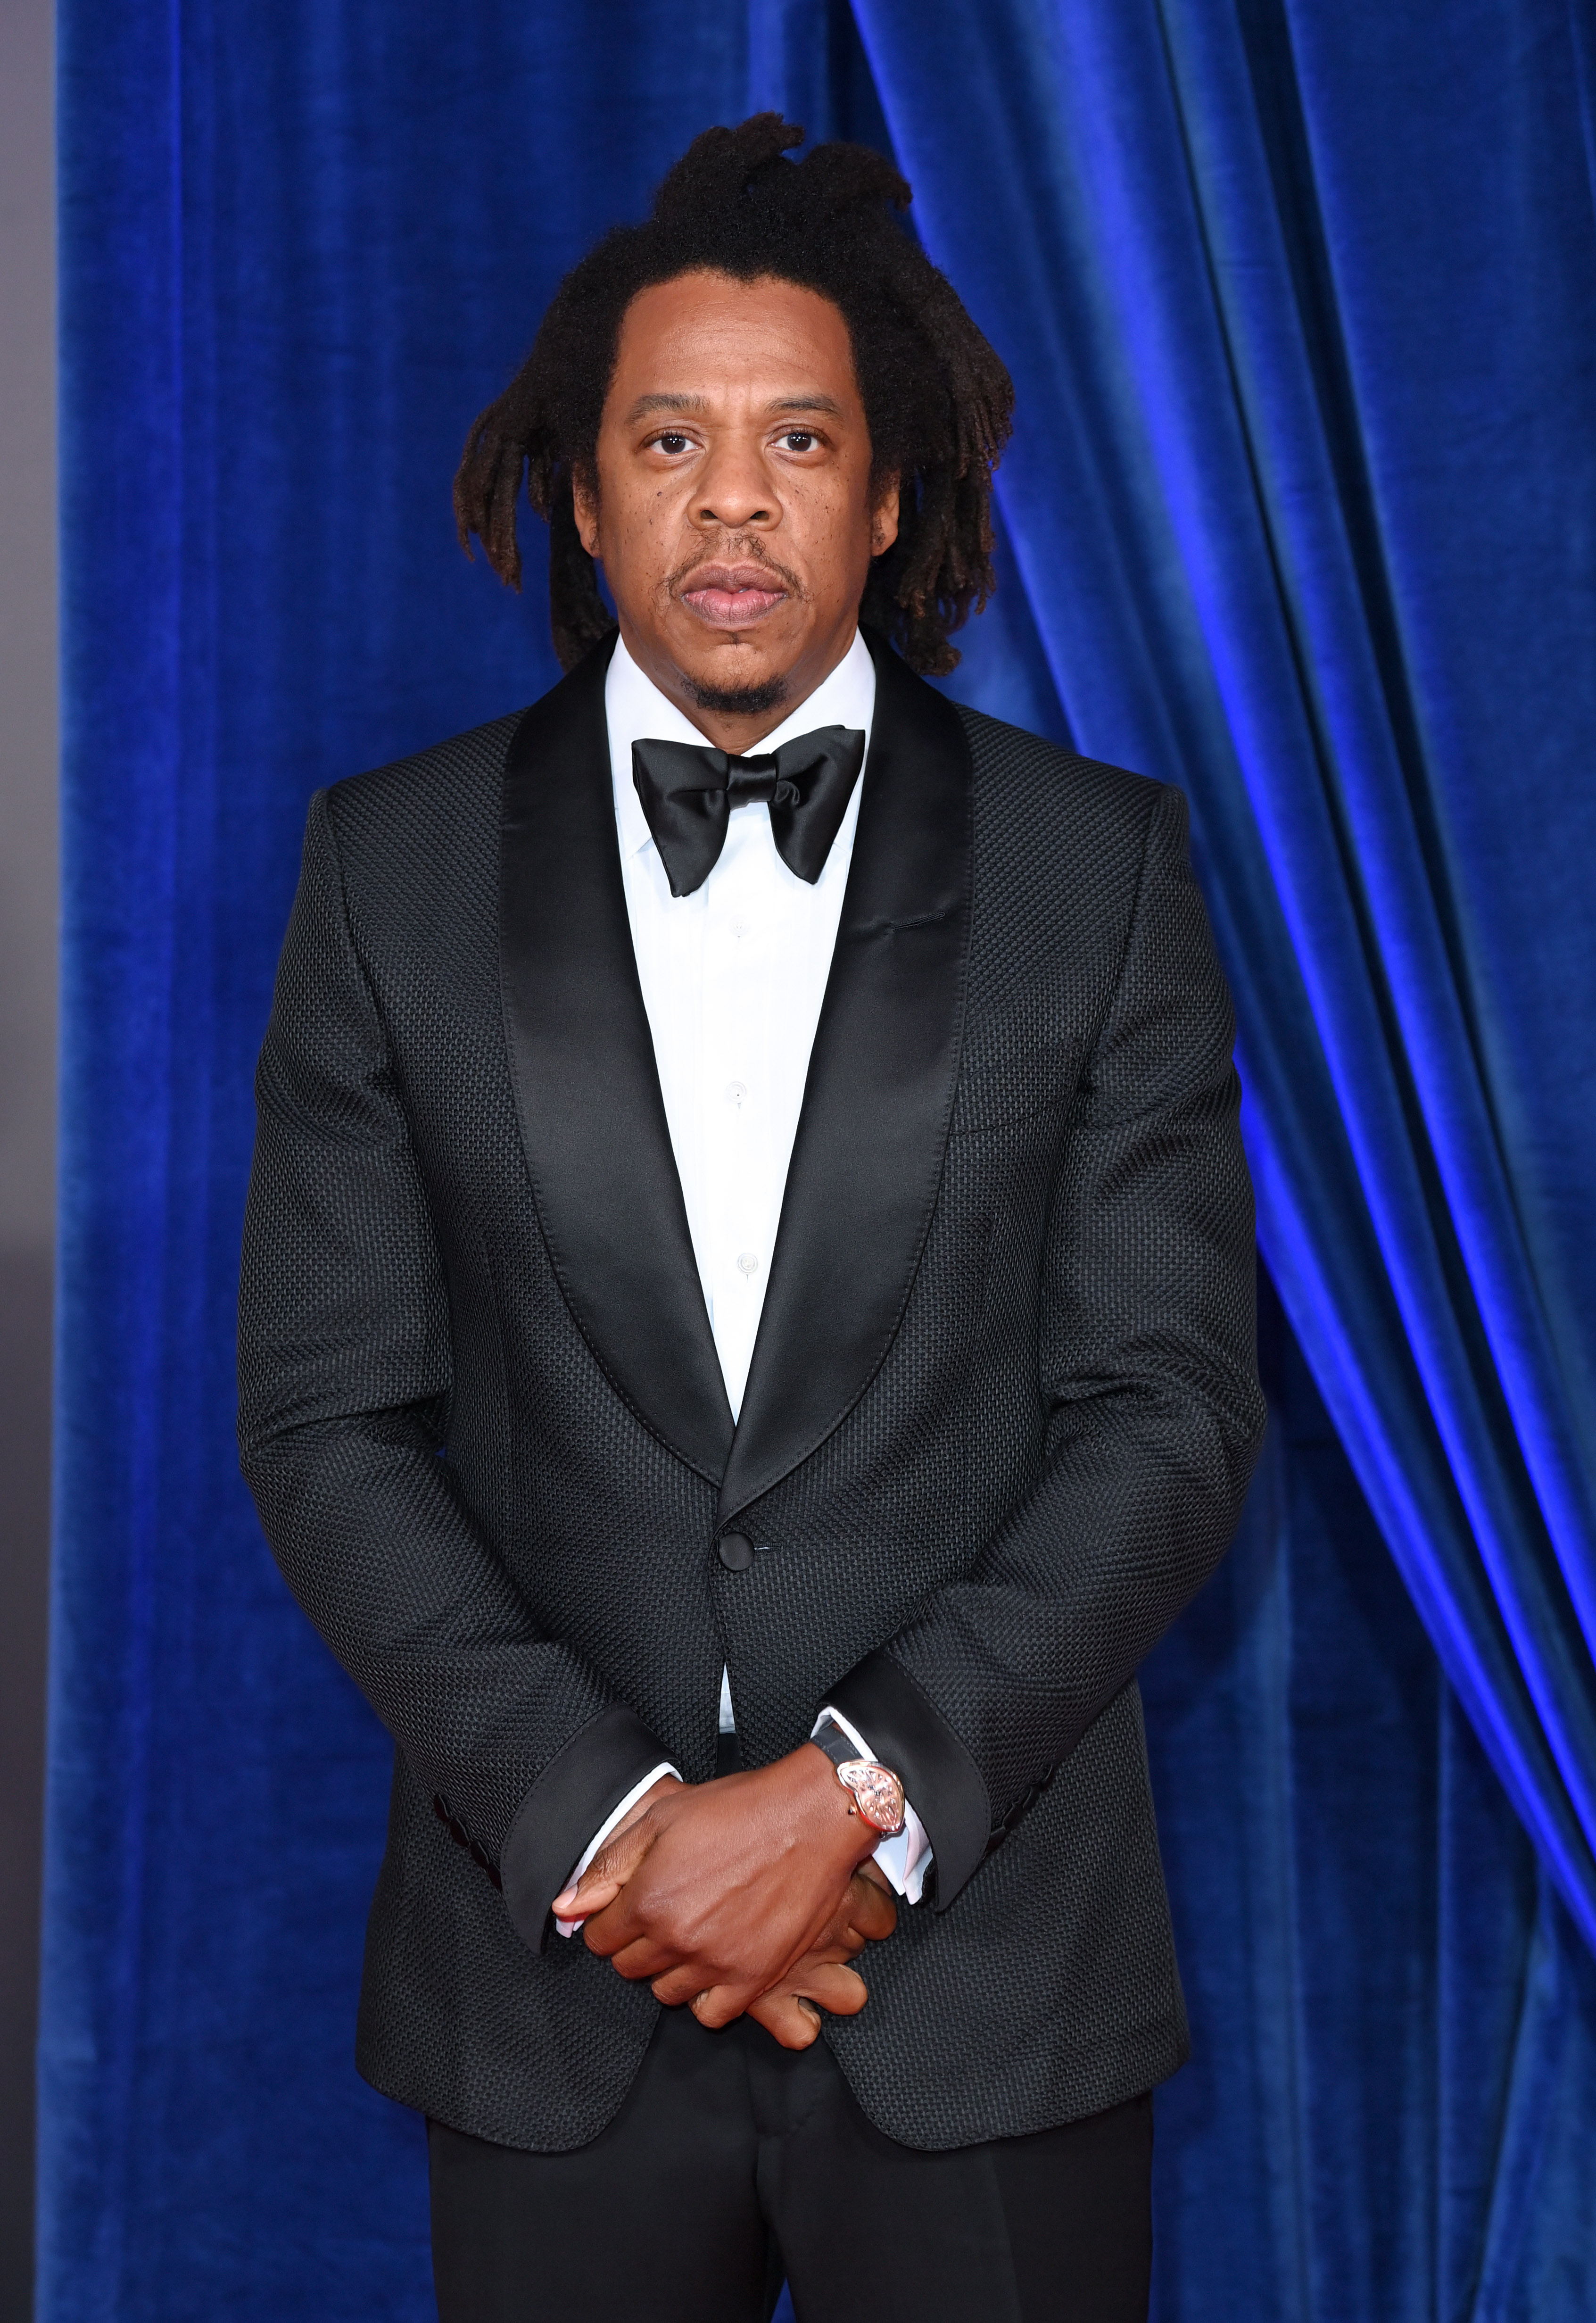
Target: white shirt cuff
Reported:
[(569, 1927), (906, 1857)]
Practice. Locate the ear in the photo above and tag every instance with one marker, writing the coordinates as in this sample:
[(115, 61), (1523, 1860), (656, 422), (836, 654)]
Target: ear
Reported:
[(883, 517), (585, 501)]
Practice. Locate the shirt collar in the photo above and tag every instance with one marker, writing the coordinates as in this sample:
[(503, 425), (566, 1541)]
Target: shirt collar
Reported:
[(635, 708)]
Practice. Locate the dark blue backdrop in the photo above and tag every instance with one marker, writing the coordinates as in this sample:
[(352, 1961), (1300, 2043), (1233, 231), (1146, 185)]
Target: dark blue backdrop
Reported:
[(1301, 513)]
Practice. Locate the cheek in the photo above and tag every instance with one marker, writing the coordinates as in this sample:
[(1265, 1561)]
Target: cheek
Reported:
[(834, 515), (638, 527), (850, 522)]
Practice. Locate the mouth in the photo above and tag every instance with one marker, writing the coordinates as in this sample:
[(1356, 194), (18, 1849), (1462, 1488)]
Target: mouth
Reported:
[(732, 596)]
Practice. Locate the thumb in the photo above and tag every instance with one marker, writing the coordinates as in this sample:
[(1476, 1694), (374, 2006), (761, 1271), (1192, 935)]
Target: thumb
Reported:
[(606, 1875), (586, 1896)]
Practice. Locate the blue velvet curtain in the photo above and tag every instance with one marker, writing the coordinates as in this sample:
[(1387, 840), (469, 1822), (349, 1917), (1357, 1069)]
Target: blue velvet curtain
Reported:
[(1297, 294), (1299, 302)]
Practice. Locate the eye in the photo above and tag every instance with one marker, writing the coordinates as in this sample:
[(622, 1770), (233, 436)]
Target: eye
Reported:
[(799, 439), (671, 444)]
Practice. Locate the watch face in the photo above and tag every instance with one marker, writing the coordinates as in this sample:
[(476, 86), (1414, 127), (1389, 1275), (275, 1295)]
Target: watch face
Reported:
[(877, 1794)]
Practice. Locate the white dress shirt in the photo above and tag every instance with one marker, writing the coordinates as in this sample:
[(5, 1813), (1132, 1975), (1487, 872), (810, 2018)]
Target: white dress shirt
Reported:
[(733, 976)]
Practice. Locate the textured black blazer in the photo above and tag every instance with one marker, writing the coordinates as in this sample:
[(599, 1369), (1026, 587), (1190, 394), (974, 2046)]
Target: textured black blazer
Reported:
[(1000, 1419)]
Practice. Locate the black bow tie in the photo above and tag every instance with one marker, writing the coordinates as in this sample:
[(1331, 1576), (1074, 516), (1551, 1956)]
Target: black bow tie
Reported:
[(688, 791)]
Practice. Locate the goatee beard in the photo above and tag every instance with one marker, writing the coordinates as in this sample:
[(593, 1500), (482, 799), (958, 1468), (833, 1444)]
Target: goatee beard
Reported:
[(738, 700)]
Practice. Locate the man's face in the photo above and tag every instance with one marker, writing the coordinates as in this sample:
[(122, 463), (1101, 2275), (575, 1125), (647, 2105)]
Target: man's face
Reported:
[(733, 513)]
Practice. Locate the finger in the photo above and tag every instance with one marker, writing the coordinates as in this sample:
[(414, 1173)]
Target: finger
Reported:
[(609, 1931), (620, 1923), (839, 1991), (722, 2002), (794, 2022), (834, 1944), (678, 1986), (634, 1813), (871, 1911), (837, 1940), (844, 1940), (643, 1958)]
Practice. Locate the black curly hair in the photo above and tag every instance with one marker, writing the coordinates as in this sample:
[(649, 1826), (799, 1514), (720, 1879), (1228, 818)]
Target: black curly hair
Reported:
[(938, 402)]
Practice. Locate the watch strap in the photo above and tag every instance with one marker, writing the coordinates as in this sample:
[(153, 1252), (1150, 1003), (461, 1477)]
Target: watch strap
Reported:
[(839, 1747)]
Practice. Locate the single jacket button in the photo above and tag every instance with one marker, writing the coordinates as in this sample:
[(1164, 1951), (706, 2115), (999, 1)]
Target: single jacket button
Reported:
[(736, 1551)]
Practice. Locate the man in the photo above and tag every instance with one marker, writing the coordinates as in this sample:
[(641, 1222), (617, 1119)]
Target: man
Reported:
[(749, 1243)]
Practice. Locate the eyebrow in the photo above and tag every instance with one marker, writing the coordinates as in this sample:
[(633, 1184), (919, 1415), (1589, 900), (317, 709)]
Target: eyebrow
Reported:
[(648, 403)]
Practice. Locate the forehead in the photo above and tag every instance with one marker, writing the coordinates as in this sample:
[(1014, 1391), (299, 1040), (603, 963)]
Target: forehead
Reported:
[(704, 335)]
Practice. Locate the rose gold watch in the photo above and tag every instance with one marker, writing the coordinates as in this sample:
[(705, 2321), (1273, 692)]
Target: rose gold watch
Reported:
[(877, 1793)]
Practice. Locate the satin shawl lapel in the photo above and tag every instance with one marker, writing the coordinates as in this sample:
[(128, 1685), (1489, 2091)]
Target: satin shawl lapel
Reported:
[(587, 1090), (867, 1159)]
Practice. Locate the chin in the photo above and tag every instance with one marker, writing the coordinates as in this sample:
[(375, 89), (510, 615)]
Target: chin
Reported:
[(745, 675), (752, 699)]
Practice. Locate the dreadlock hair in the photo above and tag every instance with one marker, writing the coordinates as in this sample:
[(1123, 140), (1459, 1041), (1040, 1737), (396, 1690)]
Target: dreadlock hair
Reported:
[(938, 402)]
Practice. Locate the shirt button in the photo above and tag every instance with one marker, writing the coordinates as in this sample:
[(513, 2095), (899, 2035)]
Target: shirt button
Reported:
[(748, 1263), (739, 929), (735, 1092)]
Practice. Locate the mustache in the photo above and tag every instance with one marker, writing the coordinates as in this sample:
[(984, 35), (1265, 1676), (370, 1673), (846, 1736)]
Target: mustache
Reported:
[(736, 548)]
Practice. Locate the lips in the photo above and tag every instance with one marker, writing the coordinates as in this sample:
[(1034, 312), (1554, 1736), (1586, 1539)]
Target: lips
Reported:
[(731, 596)]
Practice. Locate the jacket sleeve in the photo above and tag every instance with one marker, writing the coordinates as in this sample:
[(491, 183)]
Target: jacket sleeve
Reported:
[(1149, 1377), (344, 1380)]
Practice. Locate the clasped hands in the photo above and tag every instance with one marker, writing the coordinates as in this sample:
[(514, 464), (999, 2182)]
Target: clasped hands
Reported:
[(750, 1894)]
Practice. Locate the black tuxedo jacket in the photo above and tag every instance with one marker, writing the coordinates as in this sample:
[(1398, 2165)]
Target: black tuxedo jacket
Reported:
[(999, 1422)]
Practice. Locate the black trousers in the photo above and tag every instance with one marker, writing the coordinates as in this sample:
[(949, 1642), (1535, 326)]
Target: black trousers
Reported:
[(734, 2162)]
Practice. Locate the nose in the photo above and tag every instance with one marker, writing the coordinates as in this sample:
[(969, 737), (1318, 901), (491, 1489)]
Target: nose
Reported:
[(734, 490)]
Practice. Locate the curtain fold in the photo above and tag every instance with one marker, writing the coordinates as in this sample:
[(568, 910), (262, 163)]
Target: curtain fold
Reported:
[(1302, 495), (1387, 1993)]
